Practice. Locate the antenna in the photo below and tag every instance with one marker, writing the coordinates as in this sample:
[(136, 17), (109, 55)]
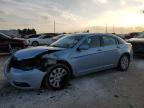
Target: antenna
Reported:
[(113, 28), (54, 26)]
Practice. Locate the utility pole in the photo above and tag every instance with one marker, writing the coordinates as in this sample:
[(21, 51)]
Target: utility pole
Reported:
[(106, 28), (113, 28), (54, 26), (121, 30), (143, 11)]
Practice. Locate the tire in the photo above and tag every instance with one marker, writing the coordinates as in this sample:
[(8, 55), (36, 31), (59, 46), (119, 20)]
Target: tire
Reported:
[(35, 43), (57, 77), (123, 64)]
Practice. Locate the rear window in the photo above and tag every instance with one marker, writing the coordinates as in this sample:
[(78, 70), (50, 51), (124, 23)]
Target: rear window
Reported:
[(109, 41)]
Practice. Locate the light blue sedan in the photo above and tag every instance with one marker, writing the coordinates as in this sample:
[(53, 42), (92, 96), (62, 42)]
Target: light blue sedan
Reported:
[(72, 55)]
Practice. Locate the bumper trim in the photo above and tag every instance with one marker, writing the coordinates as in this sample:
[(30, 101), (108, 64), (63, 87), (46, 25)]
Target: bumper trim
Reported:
[(21, 84)]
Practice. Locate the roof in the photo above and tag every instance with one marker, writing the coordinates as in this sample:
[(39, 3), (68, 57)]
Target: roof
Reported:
[(98, 34)]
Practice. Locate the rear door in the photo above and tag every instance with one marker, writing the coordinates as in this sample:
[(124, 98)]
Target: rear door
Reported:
[(109, 51)]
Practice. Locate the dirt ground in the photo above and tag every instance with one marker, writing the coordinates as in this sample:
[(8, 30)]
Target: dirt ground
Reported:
[(106, 89)]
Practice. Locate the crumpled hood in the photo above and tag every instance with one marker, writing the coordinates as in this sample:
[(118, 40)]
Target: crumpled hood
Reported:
[(34, 51)]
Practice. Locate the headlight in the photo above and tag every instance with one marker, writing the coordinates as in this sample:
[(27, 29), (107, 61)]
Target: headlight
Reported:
[(26, 64)]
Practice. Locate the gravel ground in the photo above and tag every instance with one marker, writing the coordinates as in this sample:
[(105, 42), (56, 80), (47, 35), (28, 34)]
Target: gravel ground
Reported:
[(2, 79), (106, 89)]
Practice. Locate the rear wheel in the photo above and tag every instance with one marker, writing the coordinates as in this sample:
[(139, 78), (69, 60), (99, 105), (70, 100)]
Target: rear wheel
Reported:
[(57, 77), (124, 63), (35, 43)]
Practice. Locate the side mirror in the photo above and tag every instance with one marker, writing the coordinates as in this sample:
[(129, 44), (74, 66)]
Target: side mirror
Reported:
[(83, 47)]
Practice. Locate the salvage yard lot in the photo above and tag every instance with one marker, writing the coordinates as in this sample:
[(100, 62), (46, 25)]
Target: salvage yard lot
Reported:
[(106, 89)]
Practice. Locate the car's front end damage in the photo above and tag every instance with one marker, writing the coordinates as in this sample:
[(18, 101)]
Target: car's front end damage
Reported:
[(27, 68)]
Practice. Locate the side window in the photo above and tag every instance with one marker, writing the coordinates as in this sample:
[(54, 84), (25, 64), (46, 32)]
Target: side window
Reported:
[(92, 42), (109, 41), (46, 37)]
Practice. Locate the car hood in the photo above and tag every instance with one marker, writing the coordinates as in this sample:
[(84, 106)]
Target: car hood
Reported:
[(34, 51), (136, 40), (17, 39)]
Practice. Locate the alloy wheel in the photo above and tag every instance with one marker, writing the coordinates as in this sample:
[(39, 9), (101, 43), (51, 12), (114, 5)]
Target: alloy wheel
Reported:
[(56, 76), (124, 62)]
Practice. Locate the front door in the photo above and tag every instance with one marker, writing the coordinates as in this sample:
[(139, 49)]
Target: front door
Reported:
[(88, 60)]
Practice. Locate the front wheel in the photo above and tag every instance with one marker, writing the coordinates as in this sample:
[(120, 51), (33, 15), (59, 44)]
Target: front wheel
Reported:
[(57, 76), (124, 63), (35, 43)]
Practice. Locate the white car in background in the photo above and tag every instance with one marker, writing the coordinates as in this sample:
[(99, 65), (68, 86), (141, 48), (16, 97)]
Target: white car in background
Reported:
[(57, 37), (41, 40)]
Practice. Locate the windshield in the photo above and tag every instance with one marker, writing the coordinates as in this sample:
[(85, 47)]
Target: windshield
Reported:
[(41, 37), (67, 41), (4, 36)]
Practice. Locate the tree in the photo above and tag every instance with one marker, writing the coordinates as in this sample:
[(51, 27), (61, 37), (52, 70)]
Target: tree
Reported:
[(87, 31), (33, 31), (26, 31)]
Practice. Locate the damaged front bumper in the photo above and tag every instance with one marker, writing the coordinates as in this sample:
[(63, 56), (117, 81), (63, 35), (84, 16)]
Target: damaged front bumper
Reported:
[(31, 79)]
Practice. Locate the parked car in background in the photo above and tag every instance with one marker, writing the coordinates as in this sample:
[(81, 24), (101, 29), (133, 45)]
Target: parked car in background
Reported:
[(73, 55), (41, 40), (138, 43), (57, 37), (11, 45), (32, 36), (121, 35), (52, 34), (131, 35)]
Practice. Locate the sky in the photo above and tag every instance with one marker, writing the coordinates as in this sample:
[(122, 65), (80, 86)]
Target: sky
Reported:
[(70, 15)]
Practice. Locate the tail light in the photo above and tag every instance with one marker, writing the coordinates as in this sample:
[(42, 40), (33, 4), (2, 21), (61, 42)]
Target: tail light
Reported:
[(25, 44)]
